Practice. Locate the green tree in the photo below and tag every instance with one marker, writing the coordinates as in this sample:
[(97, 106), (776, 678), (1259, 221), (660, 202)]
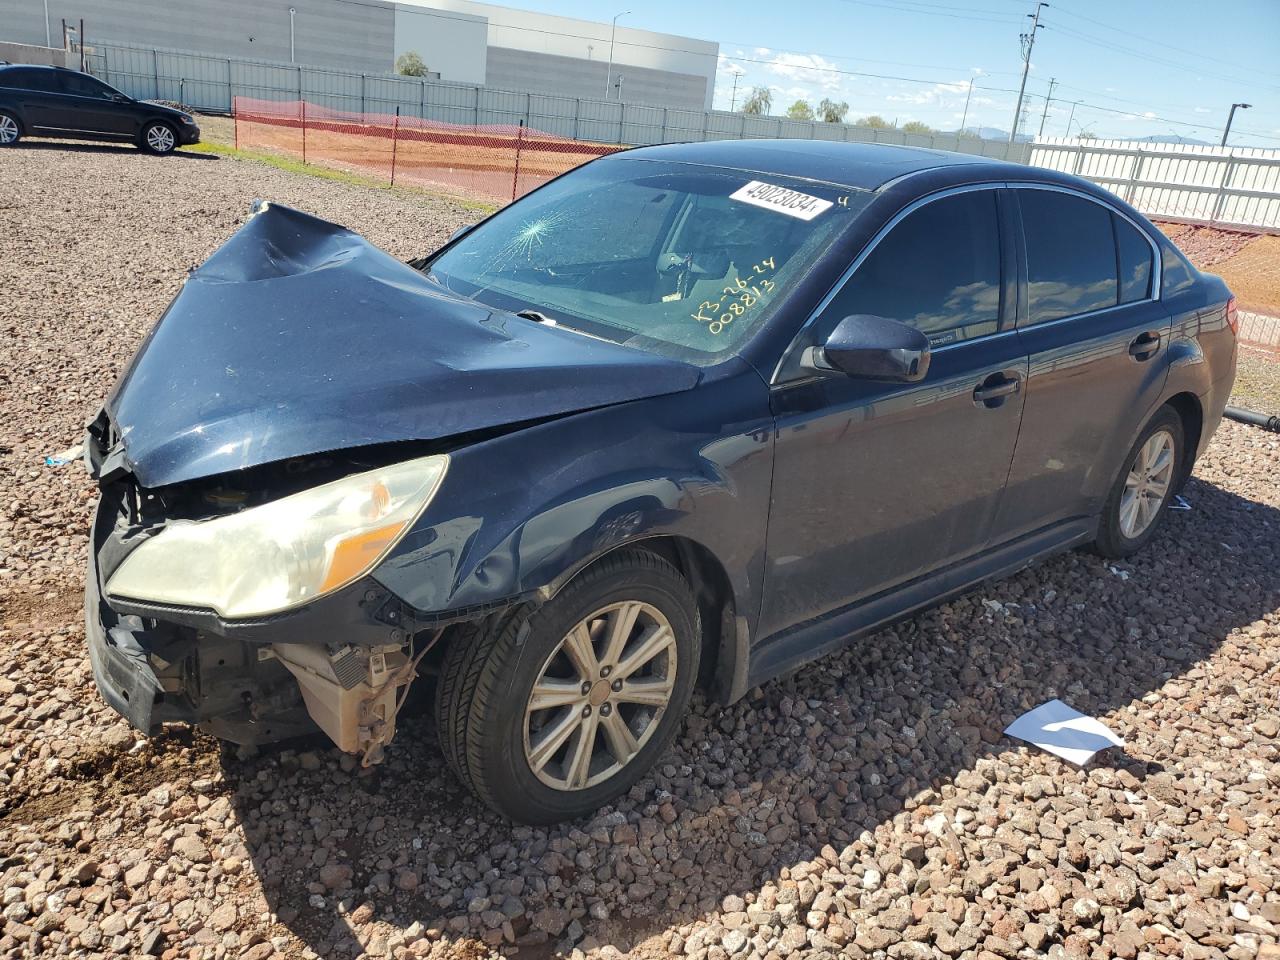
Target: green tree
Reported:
[(831, 112), (875, 122), (410, 64), (800, 110), (916, 126), (1086, 135), (758, 102)]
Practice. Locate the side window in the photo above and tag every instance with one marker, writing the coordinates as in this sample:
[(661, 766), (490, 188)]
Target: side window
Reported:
[(82, 85), (938, 270), (1134, 253), (1071, 255), (43, 80)]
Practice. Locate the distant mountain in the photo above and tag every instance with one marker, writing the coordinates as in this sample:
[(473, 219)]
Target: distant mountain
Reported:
[(1169, 138), (993, 133)]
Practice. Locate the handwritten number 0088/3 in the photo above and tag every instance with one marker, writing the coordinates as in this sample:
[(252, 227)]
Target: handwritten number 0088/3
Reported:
[(748, 296)]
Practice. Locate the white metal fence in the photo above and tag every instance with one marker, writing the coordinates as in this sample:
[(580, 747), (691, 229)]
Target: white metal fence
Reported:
[(1237, 186), (209, 83)]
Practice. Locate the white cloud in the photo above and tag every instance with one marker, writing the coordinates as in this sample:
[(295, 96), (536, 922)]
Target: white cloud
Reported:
[(1149, 115), (761, 51), (1202, 110), (940, 94), (806, 68)]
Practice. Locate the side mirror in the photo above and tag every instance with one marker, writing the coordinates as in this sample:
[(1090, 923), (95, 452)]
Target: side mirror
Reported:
[(120, 98), (872, 348)]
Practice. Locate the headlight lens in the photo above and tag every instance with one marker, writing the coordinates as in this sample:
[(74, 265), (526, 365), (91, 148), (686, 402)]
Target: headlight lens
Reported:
[(282, 554)]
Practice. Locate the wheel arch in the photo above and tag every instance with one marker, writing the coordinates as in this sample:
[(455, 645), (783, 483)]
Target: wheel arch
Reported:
[(17, 118), (722, 672), (1187, 406)]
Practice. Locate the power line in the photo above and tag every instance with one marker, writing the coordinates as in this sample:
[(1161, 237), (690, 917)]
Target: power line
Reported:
[(1198, 54), (928, 11)]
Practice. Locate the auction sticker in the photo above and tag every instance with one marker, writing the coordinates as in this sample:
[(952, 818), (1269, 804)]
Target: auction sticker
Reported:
[(782, 199)]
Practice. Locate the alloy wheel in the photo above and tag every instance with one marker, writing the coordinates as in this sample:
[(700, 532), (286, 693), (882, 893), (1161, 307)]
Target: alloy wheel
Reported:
[(160, 138), (600, 695), (1148, 484), (8, 129)]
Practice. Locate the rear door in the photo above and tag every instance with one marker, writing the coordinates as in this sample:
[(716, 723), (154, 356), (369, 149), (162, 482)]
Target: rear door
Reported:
[(89, 105), (876, 484), (35, 93), (1097, 337)]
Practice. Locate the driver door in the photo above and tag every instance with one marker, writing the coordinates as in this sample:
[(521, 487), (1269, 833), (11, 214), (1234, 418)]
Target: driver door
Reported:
[(877, 484), (92, 106)]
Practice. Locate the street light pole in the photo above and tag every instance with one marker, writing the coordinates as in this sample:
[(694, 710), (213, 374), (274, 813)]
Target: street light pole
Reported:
[(48, 34), (1231, 116), (613, 33), (292, 58), (965, 117)]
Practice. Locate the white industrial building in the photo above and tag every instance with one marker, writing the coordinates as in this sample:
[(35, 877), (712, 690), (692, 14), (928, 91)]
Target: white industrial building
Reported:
[(461, 40)]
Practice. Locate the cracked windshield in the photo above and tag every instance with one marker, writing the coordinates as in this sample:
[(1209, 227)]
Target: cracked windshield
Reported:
[(682, 260)]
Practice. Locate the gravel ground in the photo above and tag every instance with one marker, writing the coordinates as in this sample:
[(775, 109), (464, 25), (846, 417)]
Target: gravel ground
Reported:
[(867, 806)]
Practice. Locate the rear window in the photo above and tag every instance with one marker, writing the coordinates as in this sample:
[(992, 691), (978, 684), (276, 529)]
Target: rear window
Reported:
[(1071, 255)]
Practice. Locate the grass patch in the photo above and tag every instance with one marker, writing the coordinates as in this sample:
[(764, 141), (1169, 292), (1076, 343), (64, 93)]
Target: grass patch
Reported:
[(293, 165)]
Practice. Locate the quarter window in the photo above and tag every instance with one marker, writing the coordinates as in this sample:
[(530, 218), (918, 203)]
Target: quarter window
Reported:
[(1071, 255), (1134, 253), (938, 270)]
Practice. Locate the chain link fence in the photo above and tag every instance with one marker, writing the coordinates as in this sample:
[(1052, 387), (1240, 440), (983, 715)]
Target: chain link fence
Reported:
[(491, 162), (213, 84)]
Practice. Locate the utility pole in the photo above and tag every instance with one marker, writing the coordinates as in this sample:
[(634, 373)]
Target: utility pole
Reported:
[(1231, 116), (1028, 44), (608, 76), (48, 33), (965, 116), (1045, 113), (1074, 104), (733, 100)]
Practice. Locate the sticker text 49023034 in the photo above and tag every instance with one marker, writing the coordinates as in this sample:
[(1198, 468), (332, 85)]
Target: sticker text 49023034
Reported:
[(739, 296)]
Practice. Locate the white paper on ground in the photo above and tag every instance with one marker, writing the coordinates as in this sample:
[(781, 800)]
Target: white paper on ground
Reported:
[(1064, 732)]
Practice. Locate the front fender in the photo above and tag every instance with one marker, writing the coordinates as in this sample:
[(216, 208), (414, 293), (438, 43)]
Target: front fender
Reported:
[(519, 514)]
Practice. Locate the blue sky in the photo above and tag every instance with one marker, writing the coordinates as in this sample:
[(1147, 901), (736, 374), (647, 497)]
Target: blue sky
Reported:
[(1158, 67)]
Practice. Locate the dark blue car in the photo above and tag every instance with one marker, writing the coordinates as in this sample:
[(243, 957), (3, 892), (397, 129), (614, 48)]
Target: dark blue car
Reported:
[(687, 416)]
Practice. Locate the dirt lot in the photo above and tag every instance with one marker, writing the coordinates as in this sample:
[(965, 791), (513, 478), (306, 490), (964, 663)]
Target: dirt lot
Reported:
[(868, 806), (1250, 263)]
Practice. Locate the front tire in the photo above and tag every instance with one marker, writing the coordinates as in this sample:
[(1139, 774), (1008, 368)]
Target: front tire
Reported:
[(547, 714), (158, 138), (10, 129), (1141, 493)]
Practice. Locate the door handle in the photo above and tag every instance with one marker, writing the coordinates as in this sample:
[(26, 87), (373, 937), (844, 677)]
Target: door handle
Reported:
[(1145, 346), (992, 391)]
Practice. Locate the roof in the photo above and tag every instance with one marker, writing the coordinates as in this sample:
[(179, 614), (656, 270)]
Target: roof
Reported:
[(861, 166)]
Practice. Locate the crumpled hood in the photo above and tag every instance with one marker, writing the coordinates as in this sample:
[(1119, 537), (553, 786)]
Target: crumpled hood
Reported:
[(299, 337)]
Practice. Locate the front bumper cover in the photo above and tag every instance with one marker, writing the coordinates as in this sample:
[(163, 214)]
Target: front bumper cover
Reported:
[(157, 664)]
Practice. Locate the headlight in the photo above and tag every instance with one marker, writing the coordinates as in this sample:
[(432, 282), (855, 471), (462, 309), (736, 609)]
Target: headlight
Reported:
[(269, 558)]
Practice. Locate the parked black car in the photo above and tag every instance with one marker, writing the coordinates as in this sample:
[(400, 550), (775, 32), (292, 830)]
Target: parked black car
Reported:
[(687, 416), (42, 101)]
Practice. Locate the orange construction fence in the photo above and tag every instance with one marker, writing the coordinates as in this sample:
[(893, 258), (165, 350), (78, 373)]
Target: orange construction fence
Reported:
[(490, 162)]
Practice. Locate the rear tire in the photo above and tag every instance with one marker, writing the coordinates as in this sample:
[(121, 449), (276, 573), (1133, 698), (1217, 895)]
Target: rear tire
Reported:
[(1141, 494), (547, 714), (10, 129), (158, 138)]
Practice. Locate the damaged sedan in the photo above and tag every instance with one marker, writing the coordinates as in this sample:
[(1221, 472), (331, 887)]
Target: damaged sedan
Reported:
[(687, 417)]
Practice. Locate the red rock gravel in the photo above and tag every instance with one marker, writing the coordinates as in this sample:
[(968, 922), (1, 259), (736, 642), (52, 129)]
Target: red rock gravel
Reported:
[(868, 806)]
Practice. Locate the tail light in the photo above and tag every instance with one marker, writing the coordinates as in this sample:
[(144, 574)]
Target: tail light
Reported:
[(1233, 318)]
